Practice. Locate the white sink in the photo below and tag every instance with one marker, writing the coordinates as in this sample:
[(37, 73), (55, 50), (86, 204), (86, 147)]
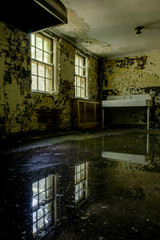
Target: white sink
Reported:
[(140, 100)]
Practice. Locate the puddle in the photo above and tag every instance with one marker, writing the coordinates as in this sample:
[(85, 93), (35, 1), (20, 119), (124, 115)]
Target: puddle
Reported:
[(99, 186)]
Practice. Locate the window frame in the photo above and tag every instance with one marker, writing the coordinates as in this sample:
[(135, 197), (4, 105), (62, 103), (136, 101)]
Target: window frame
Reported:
[(81, 182), (42, 205), (47, 207), (81, 77), (52, 65)]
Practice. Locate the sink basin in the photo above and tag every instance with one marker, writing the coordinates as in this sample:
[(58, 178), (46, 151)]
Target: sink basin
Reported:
[(127, 103), (140, 100)]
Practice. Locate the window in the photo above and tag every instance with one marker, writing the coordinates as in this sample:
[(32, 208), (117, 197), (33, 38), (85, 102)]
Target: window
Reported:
[(81, 182), (81, 76), (43, 63), (43, 195)]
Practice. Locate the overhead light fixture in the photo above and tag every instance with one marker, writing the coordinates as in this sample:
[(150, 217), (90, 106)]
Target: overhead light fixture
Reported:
[(139, 30)]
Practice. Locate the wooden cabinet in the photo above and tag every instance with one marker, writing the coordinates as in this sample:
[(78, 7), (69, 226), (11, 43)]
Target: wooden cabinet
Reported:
[(85, 113)]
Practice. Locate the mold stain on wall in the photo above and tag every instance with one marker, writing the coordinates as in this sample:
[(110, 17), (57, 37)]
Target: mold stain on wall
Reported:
[(22, 110), (133, 75)]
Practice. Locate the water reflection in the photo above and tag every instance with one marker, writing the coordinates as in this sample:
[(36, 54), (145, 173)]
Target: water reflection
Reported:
[(44, 203), (81, 182), (76, 191), (132, 158), (128, 157)]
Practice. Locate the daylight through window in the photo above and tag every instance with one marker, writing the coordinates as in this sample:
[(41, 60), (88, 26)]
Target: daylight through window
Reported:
[(81, 84), (42, 64)]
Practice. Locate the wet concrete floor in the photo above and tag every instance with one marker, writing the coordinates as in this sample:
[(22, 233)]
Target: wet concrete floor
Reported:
[(101, 185)]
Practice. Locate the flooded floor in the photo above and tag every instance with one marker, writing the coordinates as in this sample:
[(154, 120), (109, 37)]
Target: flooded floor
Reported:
[(101, 185)]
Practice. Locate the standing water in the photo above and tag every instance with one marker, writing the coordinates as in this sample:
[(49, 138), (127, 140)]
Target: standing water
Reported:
[(102, 186)]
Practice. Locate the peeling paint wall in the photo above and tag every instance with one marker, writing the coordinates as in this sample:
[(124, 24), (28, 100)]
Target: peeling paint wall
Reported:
[(133, 75), (22, 110)]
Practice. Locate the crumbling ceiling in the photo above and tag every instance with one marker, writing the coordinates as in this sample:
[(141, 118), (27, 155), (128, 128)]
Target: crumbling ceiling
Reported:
[(107, 27)]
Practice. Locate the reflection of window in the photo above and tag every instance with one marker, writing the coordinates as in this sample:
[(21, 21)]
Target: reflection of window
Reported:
[(81, 83), (42, 203), (42, 63), (81, 182)]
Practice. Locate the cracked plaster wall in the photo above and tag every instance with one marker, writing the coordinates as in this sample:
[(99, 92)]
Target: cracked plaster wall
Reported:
[(22, 110), (133, 75)]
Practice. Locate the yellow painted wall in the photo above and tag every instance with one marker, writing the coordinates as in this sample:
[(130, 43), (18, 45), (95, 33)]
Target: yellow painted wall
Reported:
[(22, 110), (133, 75)]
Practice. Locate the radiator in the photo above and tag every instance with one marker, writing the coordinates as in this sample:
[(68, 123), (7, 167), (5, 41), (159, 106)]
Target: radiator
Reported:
[(85, 113)]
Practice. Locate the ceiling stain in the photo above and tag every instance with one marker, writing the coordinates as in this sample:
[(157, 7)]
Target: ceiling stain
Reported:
[(114, 22), (97, 47), (75, 28)]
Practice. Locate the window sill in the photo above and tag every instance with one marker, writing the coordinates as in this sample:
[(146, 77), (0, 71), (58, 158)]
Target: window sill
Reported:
[(82, 98), (43, 92)]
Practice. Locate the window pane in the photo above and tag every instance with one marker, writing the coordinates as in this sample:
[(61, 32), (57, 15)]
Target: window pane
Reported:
[(78, 82), (81, 62), (81, 72), (41, 84), (34, 82), (81, 194), (82, 166), (34, 228), (34, 68), (33, 39), (35, 201), (48, 208), (48, 218), (47, 57), (39, 41), (76, 188), (34, 217), (82, 92), (42, 185), (40, 213), (40, 223), (76, 60), (48, 85), (78, 168), (83, 175), (33, 52), (76, 70), (82, 82), (78, 177), (35, 188), (48, 72), (46, 44), (38, 54), (49, 181), (78, 92), (41, 70), (76, 197), (42, 197)]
